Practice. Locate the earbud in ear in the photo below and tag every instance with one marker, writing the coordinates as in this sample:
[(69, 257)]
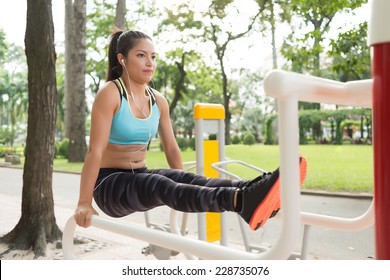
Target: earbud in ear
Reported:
[(123, 62)]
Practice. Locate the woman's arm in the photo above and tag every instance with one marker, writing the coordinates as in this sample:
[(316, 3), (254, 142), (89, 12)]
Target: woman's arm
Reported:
[(105, 105), (165, 130)]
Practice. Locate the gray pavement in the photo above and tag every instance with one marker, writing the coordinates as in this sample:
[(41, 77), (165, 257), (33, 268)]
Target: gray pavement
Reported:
[(324, 244)]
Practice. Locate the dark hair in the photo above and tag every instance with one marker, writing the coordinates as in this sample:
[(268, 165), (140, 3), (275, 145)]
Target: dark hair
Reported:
[(121, 42)]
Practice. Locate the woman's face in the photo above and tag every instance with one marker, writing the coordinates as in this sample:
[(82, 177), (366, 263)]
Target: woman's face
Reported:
[(141, 61)]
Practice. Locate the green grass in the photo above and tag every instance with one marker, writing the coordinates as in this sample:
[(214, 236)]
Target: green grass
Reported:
[(346, 168), (62, 164), (333, 168)]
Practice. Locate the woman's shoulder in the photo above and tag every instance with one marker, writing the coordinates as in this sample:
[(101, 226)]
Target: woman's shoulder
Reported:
[(108, 94), (161, 101), (108, 87), (159, 97)]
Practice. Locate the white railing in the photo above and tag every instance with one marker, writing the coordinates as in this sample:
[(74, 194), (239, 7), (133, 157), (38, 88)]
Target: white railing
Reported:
[(290, 87)]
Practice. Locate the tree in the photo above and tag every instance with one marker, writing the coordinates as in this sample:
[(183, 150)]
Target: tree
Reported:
[(216, 27), (181, 18), (273, 11), (75, 70), (217, 14), (14, 89), (37, 224), (3, 47), (304, 52), (100, 23)]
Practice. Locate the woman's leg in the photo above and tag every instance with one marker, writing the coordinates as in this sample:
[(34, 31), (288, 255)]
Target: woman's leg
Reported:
[(181, 176), (122, 193)]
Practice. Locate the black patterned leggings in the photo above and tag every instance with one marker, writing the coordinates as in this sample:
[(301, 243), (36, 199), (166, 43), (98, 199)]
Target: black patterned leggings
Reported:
[(120, 192)]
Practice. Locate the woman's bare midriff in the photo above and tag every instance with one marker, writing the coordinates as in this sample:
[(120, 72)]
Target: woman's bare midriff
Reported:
[(124, 156)]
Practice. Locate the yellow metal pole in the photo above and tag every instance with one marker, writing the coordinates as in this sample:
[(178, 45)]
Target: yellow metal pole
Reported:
[(208, 153)]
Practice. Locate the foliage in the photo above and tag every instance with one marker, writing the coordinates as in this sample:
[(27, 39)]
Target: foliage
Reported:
[(182, 142), (100, 21), (236, 139), (5, 150), (62, 148), (213, 136), (312, 122), (249, 139), (3, 47), (182, 119), (192, 144), (303, 51), (13, 94), (269, 130), (351, 54), (252, 122)]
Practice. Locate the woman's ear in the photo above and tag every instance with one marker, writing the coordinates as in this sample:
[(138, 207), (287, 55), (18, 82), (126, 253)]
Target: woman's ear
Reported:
[(121, 59)]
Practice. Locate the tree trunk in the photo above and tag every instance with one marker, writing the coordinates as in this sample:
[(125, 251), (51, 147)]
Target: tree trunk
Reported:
[(75, 80), (120, 14), (37, 224), (273, 33), (226, 101), (68, 64), (179, 87)]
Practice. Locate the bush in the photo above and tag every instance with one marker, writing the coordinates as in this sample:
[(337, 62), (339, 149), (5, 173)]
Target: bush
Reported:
[(3, 151), (192, 143), (63, 148), (7, 150), (182, 142), (249, 139), (213, 136), (236, 140)]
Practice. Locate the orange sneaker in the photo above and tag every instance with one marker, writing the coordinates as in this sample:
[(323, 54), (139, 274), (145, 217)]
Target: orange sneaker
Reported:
[(261, 197)]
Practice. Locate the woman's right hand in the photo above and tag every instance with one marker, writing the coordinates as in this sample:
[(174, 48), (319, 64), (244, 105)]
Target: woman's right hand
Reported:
[(83, 215)]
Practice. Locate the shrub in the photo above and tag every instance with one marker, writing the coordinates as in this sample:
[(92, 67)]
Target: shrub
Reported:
[(192, 143), (63, 148), (213, 136), (249, 139), (182, 142), (236, 139), (3, 151)]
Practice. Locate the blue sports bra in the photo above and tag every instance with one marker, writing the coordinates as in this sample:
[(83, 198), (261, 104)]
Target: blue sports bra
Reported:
[(126, 129)]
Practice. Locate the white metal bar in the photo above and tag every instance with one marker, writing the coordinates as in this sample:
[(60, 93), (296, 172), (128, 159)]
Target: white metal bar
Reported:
[(305, 242), (67, 239), (343, 224), (289, 173), (173, 218), (174, 242), (282, 84), (223, 170), (378, 28), (199, 127), (221, 157)]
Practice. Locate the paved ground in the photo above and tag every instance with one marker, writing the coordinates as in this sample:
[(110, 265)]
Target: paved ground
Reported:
[(323, 243)]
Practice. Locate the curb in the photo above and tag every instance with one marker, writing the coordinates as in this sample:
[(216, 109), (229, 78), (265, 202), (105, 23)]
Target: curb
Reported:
[(338, 194)]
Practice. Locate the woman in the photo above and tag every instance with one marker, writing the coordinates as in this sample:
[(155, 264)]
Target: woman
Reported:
[(126, 115)]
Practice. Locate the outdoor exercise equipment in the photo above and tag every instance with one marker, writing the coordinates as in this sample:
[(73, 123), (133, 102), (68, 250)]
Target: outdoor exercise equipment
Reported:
[(289, 88), (379, 39)]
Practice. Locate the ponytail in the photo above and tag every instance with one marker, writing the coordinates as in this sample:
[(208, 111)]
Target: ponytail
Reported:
[(121, 42), (114, 68)]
